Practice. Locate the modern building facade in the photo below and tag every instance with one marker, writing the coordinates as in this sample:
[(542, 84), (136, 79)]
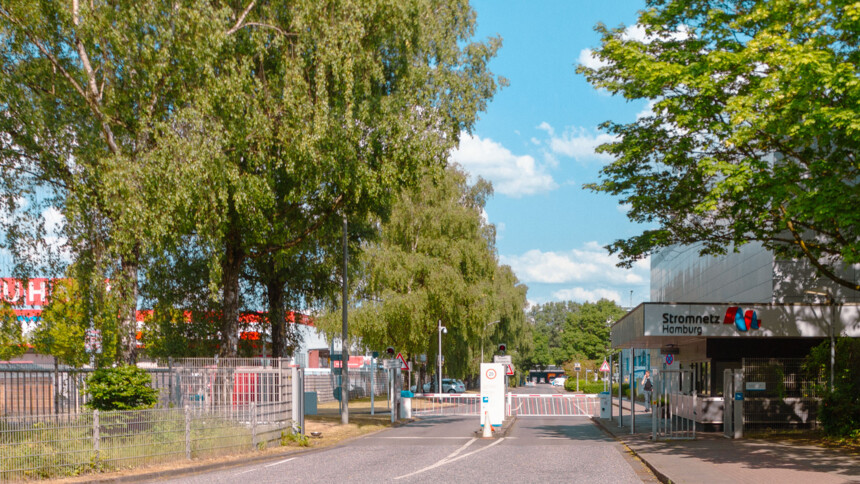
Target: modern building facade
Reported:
[(710, 314)]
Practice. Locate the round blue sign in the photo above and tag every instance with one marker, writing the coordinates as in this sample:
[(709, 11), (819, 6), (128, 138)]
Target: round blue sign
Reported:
[(669, 359)]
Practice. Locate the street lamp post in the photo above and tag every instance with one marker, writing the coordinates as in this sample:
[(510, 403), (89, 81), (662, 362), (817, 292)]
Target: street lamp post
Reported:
[(484, 336), (442, 329)]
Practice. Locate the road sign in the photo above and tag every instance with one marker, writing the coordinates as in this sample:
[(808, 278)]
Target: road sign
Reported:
[(404, 365), (510, 370), (604, 366), (576, 367), (391, 364), (93, 341), (505, 360), (669, 359)]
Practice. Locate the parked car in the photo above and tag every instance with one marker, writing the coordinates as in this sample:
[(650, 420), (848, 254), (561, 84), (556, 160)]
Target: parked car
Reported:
[(558, 381), (449, 385)]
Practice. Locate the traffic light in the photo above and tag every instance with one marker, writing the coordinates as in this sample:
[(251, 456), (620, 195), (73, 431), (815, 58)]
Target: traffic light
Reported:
[(390, 350), (502, 348)]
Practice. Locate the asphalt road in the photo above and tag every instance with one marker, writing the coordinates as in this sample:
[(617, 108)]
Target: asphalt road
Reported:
[(445, 449)]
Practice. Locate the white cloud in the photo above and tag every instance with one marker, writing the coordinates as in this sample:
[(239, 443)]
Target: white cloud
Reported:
[(591, 263), (637, 32), (647, 110), (580, 294), (589, 60), (624, 208), (577, 143), (511, 175)]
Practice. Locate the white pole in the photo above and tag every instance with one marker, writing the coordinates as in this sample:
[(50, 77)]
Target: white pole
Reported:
[(439, 378)]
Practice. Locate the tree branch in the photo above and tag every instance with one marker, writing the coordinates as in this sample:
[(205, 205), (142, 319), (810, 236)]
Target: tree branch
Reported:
[(818, 265), (241, 18), (91, 82), (338, 202)]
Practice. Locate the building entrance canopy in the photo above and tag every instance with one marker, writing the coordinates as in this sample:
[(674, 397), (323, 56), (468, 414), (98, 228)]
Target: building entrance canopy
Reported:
[(654, 325)]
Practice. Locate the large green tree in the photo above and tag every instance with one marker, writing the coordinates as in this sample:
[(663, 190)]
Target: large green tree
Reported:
[(586, 331), (435, 261), (754, 129), (318, 111), (82, 85), (548, 326)]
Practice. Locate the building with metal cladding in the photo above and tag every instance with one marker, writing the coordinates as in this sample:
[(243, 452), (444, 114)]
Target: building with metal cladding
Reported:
[(746, 311)]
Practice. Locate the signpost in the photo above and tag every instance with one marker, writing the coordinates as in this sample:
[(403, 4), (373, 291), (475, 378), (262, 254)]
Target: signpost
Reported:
[(505, 360), (577, 367), (492, 394)]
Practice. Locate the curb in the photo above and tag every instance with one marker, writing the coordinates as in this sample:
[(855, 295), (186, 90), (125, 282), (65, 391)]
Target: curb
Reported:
[(660, 476), (507, 425)]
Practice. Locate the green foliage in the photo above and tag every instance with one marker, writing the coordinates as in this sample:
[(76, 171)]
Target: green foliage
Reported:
[(289, 437), (840, 409), (170, 332), (435, 260), (548, 322), (586, 331), (121, 388), (12, 341), (567, 331), (752, 132), (62, 328)]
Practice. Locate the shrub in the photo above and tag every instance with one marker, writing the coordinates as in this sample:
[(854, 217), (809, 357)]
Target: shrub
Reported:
[(840, 410), (120, 388)]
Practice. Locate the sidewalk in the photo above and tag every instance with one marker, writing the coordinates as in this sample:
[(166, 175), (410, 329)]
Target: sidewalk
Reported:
[(712, 458)]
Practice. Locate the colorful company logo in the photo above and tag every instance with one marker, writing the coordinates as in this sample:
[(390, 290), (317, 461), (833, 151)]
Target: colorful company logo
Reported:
[(743, 320)]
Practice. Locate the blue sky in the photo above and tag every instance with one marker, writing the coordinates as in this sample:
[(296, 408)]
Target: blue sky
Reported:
[(536, 144)]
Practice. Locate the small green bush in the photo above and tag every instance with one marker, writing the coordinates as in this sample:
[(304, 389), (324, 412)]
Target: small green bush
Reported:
[(121, 388), (298, 438)]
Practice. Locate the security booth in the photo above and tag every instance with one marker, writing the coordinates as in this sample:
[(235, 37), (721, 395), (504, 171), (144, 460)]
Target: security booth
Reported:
[(545, 375), (704, 357)]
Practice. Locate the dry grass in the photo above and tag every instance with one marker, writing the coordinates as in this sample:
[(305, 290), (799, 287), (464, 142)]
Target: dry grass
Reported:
[(332, 433)]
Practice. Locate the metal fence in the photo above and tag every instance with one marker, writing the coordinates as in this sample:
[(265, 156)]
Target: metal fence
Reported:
[(198, 382), (427, 404), (553, 405), (362, 382), (778, 393), (66, 445)]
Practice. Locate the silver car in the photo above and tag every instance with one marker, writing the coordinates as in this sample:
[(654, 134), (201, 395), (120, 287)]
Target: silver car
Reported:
[(449, 385)]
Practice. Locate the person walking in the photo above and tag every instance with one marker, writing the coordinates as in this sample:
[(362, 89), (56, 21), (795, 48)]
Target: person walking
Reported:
[(646, 390)]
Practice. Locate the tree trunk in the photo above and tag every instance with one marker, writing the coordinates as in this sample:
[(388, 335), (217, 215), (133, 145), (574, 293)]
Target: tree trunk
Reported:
[(128, 286), (231, 267), (275, 291)]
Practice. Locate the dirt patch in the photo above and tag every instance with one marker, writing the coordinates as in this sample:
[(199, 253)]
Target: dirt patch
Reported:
[(811, 438)]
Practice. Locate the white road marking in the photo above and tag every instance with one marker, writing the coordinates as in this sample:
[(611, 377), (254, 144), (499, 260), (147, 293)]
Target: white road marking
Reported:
[(281, 462), (451, 458), (422, 438)]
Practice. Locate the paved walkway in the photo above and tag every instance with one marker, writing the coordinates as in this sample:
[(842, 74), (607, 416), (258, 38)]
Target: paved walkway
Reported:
[(714, 459)]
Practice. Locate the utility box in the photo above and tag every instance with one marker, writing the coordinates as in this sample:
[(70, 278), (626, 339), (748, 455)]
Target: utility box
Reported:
[(605, 405), (310, 403), (406, 407)]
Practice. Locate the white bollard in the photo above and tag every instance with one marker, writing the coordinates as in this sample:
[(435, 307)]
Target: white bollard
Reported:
[(488, 427)]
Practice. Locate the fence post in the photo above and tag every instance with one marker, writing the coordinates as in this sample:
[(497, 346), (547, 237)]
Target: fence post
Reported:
[(294, 382), (187, 433), (170, 382), (253, 425), (96, 434)]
